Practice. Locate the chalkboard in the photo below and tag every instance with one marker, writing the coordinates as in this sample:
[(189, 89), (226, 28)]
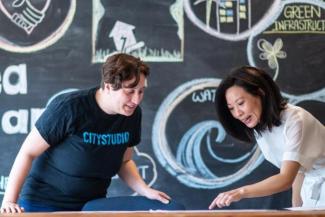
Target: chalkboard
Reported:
[(49, 47)]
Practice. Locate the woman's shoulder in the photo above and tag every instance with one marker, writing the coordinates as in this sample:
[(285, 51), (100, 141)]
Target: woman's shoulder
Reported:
[(293, 112), (296, 116)]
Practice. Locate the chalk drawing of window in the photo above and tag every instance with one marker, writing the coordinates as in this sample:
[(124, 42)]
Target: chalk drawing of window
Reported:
[(229, 19), (199, 153), (131, 28), (31, 26), (226, 12)]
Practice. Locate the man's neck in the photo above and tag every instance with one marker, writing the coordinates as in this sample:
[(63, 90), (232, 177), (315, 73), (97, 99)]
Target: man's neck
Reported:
[(103, 102)]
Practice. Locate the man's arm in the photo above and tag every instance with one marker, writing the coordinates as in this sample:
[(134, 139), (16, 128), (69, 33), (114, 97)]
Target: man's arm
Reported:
[(130, 175), (33, 146)]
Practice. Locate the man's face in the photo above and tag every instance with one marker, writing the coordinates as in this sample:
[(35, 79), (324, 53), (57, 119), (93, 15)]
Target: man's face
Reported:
[(126, 99)]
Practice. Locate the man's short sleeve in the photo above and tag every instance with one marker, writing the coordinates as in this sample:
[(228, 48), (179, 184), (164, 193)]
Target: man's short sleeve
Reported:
[(55, 121)]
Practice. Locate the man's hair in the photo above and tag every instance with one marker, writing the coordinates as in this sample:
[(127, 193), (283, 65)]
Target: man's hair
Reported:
[(122, 67), (257, 83)]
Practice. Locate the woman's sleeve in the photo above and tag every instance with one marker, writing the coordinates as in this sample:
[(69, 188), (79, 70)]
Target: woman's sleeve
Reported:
[(298, 146)]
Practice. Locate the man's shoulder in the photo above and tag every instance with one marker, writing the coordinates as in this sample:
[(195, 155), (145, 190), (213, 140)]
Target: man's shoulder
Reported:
[(73, 97)]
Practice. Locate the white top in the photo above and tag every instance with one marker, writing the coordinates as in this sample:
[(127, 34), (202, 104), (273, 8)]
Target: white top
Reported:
[(300, 138)]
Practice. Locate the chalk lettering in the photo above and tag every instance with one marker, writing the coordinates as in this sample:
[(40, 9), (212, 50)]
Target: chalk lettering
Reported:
[(142, 170), (14, 86), (17, 121), (302, 12), (206, 95)]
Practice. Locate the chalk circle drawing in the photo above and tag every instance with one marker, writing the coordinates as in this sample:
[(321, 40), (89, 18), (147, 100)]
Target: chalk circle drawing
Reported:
[(29, 26), (188, 165), (231, 20), (129, 36), (318, 96), (292, 42), (68, 90), (147, 169), (145, 163)]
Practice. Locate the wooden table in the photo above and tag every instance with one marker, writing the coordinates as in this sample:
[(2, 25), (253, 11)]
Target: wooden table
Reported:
[(228, 213)]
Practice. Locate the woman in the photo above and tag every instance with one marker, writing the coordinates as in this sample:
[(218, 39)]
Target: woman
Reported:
[(251, 109)]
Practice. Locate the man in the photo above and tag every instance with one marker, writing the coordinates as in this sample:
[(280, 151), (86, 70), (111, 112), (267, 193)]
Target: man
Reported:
[(80, 142)]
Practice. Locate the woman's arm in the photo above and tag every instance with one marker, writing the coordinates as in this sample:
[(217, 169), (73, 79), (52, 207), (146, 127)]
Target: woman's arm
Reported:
[(274, 184), (129, 174), (296, 189), (33, 146)]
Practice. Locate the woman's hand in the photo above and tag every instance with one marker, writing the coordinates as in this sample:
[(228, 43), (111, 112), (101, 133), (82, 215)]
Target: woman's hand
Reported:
[(226, 198), (10, 207)]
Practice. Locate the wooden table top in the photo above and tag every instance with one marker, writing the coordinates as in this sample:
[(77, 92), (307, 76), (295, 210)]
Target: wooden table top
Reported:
[(193, 213)]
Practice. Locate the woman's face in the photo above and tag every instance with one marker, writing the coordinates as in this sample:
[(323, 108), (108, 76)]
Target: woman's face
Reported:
[(244, 106)]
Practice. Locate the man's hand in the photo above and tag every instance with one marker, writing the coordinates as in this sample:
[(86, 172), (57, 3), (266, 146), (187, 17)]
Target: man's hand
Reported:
[(10, 207), (156, 195)]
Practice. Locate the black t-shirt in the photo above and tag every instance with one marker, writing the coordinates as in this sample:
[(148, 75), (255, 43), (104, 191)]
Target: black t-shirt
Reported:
[(86, 150)]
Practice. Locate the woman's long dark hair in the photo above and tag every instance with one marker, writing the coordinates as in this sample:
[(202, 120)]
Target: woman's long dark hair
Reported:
[(258, 83)]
